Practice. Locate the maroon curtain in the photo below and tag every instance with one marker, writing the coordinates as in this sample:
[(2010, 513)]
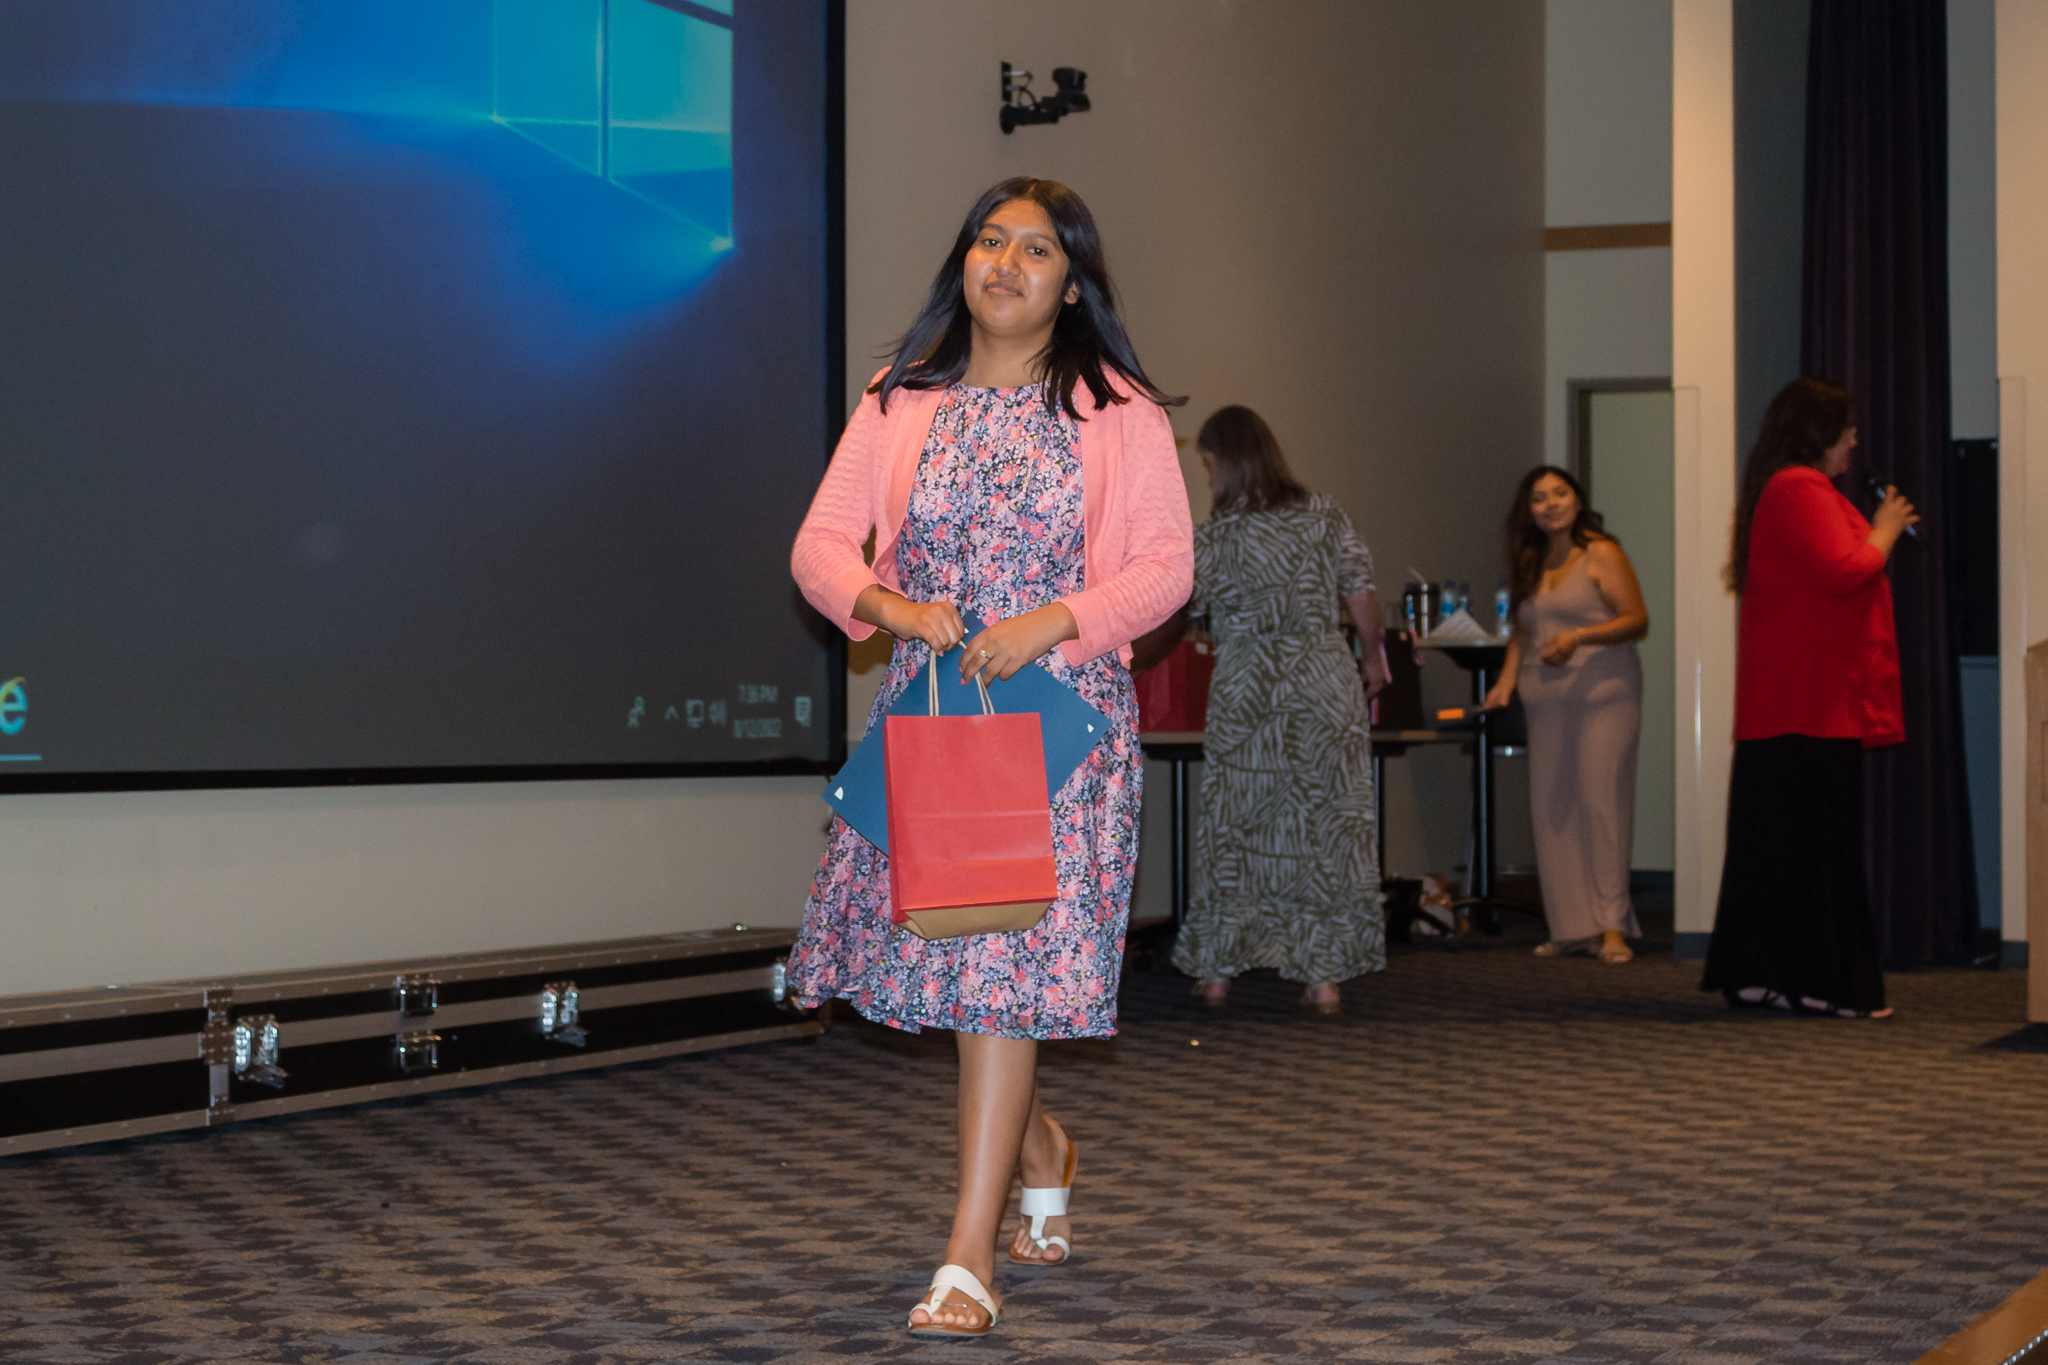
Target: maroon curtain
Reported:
[(1875, 319)]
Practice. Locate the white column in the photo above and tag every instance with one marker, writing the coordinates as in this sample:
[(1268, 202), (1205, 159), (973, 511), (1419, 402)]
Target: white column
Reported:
[(2017, 495), (2022, 82), (1703, 373)]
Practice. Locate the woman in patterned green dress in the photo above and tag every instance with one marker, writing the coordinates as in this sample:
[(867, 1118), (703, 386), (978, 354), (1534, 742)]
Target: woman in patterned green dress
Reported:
[(1285, 874)]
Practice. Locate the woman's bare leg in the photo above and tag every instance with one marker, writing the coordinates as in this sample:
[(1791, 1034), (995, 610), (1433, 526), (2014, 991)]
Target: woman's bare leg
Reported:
[(998, 1086), (1042, 1163)]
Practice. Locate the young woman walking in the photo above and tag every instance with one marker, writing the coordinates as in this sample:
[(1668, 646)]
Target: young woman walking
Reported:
[(1013, 461)]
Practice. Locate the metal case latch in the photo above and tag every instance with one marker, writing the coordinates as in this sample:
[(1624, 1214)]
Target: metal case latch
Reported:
[(419, 995), (217, 1050), (558, 1013), (256, 1051), (417, 1052)]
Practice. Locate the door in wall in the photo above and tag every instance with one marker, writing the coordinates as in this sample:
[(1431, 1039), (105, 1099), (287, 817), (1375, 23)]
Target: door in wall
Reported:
[(1626, 455)]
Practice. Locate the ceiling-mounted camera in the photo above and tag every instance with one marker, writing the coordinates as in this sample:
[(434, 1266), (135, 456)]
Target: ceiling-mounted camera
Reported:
[(1070, 96)]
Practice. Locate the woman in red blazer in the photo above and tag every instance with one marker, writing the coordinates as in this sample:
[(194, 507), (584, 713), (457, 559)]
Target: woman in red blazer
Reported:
[(1816, 683)]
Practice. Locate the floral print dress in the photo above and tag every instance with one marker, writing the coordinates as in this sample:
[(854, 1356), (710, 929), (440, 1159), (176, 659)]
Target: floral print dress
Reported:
[(994, 526)]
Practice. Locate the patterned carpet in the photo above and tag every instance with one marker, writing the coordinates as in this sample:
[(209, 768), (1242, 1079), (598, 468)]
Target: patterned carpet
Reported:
[(1488, 1158)]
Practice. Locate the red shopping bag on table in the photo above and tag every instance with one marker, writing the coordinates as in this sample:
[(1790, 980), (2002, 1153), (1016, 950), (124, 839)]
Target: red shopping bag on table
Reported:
[(970, 826), (1173, 694)]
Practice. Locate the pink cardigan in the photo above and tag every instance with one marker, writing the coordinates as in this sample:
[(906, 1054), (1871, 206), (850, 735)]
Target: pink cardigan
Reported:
[(1139, 558)]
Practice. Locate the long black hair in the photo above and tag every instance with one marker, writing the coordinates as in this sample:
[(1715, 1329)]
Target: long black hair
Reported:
[(1088, 337), (1250, 472), (1806, 417), (1529, 543)]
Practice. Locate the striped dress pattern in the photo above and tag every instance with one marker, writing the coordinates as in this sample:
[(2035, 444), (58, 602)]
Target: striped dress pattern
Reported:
[(1285, 872)]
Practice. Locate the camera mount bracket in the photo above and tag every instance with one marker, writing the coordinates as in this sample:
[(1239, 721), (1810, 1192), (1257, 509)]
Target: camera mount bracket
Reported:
[(1020, 106)]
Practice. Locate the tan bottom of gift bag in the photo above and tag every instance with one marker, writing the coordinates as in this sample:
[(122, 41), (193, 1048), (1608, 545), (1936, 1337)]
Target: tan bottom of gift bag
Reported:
[(956, 921)]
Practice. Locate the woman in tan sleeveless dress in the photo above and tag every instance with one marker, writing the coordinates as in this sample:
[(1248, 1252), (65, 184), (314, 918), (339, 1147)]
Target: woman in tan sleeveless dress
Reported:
[(1578, 612)]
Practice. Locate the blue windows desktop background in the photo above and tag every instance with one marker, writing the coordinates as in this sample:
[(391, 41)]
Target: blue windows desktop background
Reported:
[(411, 384)]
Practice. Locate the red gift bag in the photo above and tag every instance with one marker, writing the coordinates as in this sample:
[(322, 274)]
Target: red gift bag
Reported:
[(970, 826), (1173, 694)]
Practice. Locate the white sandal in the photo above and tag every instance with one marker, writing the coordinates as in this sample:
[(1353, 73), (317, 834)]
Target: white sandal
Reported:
[(1043, 1202), (953, 1277)]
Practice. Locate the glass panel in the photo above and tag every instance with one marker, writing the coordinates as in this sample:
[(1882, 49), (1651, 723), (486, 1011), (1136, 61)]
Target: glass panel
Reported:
[(549, 75), (671, 112)]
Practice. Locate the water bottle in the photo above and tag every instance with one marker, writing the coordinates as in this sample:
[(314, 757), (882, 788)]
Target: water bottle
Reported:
[(1448, 603), (1415, 608), (1465, 598), (1501, 625)]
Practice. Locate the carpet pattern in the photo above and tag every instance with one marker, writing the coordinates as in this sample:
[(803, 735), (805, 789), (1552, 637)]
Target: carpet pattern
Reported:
[(1488, 1158)]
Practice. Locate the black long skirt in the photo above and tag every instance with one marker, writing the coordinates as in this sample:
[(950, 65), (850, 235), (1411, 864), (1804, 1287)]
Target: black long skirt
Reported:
[(1795, 903)]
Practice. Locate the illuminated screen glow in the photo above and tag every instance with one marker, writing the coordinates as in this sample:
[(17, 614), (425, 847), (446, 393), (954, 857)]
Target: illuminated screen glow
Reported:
[(411, 385)]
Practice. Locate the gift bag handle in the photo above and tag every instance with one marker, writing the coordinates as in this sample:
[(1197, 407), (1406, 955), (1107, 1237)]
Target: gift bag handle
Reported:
[(988, 708)]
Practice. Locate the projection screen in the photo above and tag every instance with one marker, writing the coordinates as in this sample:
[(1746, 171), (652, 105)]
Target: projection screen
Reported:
[(400, 390)]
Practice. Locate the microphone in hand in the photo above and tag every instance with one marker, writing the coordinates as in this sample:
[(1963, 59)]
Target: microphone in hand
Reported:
[(1883, 490)]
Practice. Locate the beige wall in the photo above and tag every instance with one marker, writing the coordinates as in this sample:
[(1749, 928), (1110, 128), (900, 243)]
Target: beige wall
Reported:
[(1328, 209), (1606, 112), (1334, 218), (148, 886), (1606, 159), (1607, 315), (2022, 80)]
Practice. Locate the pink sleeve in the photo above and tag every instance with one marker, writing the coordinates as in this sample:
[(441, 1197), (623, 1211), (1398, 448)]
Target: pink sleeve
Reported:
[(1158, 569), (826, 560)]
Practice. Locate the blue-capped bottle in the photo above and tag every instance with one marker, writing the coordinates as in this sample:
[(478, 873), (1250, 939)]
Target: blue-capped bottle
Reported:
[(1447, 604), (1501, 625)]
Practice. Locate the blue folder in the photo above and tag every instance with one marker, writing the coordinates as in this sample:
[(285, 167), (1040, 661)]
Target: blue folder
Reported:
[(1070, 726)]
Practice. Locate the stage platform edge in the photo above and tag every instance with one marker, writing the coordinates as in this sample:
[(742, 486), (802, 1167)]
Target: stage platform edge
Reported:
[(99, 1065)]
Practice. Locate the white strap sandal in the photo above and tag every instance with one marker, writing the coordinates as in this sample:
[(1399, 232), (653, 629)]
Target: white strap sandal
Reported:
[(1048, 1201), (960, 1278)]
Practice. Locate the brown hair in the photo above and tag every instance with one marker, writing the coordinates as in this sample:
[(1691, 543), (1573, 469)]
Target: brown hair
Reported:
[(1806, 417), (1528, 543), (1088, 344), (1250, 473)]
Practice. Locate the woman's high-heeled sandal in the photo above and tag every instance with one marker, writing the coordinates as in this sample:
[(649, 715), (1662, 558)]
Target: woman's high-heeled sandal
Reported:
[(954, 1277), (1041, 1203)]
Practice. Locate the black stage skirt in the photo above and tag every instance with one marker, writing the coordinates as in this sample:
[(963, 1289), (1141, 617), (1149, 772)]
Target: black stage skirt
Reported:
[(1795, 904)]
